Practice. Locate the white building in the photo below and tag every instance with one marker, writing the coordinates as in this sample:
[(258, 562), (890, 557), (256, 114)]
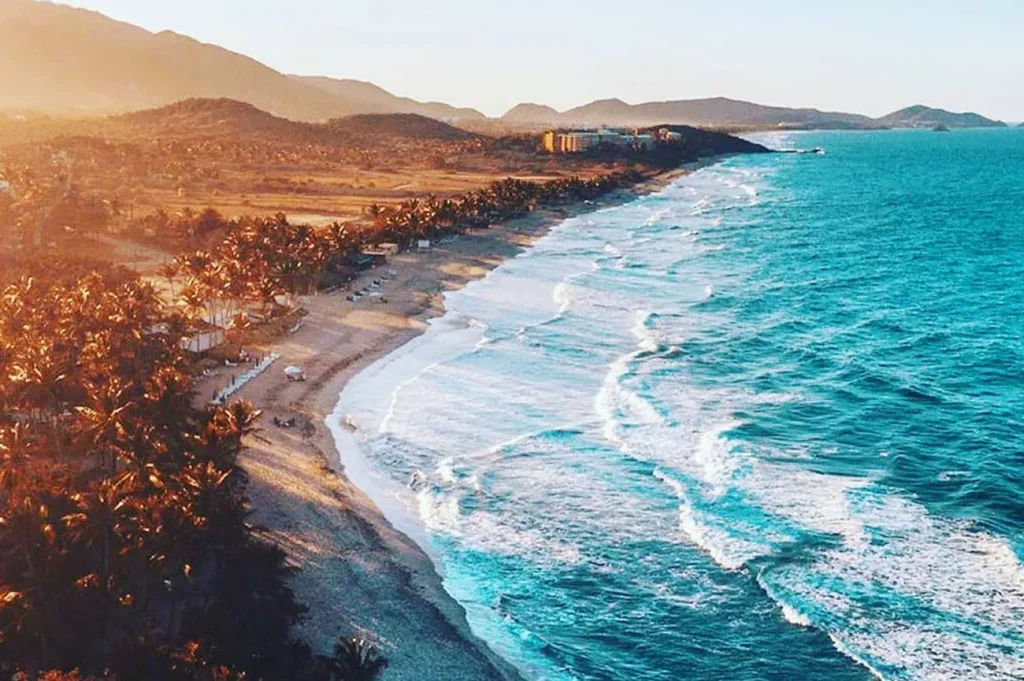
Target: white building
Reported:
[(578, 142), (203, 341)]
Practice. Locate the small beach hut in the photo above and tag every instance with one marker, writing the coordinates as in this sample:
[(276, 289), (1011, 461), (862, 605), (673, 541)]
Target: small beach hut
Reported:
[(203, 337)]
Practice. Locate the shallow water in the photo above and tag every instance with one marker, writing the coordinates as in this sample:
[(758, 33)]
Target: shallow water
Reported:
[(765, 424)]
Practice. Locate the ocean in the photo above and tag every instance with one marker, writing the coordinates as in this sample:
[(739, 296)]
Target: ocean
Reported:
[(767, 423)]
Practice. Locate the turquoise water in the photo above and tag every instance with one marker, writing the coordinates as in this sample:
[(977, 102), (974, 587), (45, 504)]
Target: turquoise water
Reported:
[(765, 424)]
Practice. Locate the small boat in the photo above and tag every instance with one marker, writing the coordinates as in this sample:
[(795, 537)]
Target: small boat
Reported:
[(940, 128)]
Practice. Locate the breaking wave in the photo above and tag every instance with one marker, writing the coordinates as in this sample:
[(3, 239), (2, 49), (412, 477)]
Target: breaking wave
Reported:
[(698, 421)]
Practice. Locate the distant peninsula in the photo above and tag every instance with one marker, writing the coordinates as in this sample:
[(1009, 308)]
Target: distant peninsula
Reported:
[(920, 116)]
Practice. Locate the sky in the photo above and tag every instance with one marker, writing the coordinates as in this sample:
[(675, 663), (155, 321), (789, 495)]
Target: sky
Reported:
[(868, 56)]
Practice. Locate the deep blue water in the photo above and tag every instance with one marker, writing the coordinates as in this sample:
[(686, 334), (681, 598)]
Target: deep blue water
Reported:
[(765, 424)]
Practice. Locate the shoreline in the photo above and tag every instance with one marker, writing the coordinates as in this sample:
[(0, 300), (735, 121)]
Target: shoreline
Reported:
[(358, 574)]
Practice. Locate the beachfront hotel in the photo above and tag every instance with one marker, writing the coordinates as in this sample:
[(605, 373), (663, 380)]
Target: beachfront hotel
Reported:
[(576, 142)]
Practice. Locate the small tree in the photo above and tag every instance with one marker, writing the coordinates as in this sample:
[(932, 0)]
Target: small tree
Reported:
[(355, 659)]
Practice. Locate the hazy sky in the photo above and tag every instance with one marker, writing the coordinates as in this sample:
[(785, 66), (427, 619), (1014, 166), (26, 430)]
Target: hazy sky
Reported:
[(868, 56)]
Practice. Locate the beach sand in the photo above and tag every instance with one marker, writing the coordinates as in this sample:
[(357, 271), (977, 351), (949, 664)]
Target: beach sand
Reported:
[(357, 573)]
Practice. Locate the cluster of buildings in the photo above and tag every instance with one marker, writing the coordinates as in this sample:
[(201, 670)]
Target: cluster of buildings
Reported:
[(575, 142)]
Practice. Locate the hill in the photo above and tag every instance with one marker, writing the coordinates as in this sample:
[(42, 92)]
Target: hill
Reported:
[(60, 60), (538, 114), (700, 143), (375, 99), (714, 112), (218, 118), (404, 125), (203, 118), (611, 111), (920, 116), (227, 119)]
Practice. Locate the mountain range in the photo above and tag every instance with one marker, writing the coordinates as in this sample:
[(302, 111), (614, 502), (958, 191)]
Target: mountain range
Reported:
[(699, 112), (370, 98), (222, 119), (61, 60), (720, 111)]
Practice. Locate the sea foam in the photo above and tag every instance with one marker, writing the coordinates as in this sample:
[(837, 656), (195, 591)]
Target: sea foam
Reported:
[(631, 432)]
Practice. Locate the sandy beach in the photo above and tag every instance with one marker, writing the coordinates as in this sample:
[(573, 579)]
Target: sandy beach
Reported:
[(357, 573)]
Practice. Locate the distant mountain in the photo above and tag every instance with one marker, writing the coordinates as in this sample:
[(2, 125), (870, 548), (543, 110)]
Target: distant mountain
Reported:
[(406, 125), (925, 117), (374, 99), (715, 112), (61, 60), (611, 111), (532, 113), (205, 118), (227, 119)]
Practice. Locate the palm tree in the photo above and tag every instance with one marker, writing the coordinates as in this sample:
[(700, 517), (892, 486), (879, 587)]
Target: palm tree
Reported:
[(170, 271), (355, 659), (97, 560), (375, 211), (102, 421)]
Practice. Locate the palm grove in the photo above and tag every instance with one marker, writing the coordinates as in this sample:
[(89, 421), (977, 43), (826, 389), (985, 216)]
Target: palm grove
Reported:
[(261, 259), (125, 550)]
